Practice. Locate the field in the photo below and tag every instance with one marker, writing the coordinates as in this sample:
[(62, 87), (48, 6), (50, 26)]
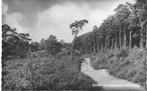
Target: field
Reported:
[(45, 73)]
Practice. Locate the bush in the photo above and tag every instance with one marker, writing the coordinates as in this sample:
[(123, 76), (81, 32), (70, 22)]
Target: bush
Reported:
[(17, 75), (123, 53), (45, 74), (124, 64)]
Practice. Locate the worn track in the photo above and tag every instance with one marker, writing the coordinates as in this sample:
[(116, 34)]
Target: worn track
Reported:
[(108, 82)]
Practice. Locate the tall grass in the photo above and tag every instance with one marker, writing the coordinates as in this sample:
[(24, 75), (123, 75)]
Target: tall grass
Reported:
[(124, 64), (45, 73)]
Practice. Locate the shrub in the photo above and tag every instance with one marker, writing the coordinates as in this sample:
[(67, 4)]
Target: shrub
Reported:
[(125, 64), (122, 53), (100, 62), (45, 74)]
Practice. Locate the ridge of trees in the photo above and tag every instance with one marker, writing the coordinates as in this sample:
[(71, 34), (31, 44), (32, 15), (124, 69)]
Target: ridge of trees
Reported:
[(124, 29), (14, 43)]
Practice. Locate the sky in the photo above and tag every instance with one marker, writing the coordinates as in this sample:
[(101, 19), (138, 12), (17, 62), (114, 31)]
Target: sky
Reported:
[(41, 18)]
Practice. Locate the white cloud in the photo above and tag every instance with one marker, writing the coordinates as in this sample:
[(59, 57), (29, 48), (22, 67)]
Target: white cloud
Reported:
[(14, 20), (116, 3), (4, 11), (56, 20), (4, 8)]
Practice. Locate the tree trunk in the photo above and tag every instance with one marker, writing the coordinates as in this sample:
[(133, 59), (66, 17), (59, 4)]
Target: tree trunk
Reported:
[(146, 35), (115, 45), (71, 48), (125, 40), (72, 45), (120, 38), (112, 44), (94, 46), (94, 50), (141, 39), (146, 30), (102, 47), (130, 39), (117, 41), (145, 55), (105, 47)]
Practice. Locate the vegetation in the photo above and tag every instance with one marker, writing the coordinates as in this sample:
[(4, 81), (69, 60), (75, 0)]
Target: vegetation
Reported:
[(118, 45), (125, 29), (119, 42), (76, 28), (124, 64), (52, 46), (50, 73), (14, 43)]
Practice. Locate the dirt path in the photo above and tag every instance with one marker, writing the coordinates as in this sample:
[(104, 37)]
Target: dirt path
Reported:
[(108, 82)]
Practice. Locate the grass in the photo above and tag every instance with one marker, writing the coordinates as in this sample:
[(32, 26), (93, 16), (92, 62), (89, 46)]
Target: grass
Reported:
[(45, 73)]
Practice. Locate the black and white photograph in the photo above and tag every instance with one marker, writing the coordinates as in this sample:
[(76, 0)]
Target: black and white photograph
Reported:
[(74, 45)]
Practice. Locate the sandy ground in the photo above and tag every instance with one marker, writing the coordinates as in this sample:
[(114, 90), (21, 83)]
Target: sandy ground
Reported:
[(108, 82)]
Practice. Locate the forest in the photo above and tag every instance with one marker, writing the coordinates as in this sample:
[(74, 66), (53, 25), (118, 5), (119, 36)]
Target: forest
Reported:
[(118, 44)]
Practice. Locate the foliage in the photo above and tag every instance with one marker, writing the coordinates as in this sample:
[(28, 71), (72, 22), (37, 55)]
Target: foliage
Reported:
[(36, 46), (124, 65), (14, 43), (52, 46), (76, 28), (44, 74), (113, 42), (126, 28)]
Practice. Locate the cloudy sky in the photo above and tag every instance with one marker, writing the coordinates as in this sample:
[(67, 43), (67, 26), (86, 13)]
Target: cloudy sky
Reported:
[(40, 18)]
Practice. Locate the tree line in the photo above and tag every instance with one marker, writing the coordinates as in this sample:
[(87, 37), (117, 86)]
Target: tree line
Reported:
[(14, 43), (124, 29), (20, 45)]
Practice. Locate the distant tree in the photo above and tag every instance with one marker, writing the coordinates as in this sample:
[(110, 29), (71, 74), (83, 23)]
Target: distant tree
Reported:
[(22, 45), (126, 28), (62, 42), (95, 29), (52, 46), (76, 27), (14, 43), (122, 14), (8, 40), (42, 43), (34, 46)]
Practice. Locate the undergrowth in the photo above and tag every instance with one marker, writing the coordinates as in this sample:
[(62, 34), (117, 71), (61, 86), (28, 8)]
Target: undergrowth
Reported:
[(124, 64), (45, 73)]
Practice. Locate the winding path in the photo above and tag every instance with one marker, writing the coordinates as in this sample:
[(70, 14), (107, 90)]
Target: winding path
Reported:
[(108, 82)]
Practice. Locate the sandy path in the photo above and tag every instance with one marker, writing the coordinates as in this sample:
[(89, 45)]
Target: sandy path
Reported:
[(108, 82)]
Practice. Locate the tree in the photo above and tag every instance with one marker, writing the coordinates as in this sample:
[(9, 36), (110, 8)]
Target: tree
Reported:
[(124, 29), (76, 28), (62, 42), (34, 46), (52, 46), (8, 40), (95, 28), (14, 43), (122, 14), (22, 46)]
